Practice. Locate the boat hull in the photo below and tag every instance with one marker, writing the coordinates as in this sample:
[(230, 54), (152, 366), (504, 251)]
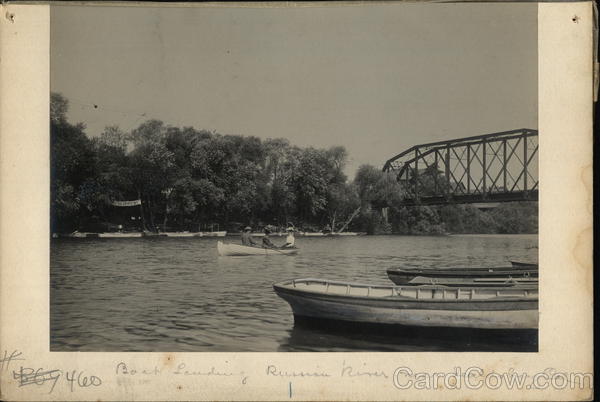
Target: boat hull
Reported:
[(237, 250), (518, 264), (330, 234), (403, 276), (490, 313), (311, 234), (119, 235), (522, 283), (214, 234), (183, 234)]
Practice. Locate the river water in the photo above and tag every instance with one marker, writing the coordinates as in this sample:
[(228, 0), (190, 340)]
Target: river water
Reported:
[(177, 294)]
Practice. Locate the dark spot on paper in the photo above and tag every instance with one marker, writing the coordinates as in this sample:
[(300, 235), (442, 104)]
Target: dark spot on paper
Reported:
[(168, 360), (575, 19), (10, 17)]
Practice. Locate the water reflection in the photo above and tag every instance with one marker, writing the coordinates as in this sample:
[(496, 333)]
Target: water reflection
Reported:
[(310, 335)]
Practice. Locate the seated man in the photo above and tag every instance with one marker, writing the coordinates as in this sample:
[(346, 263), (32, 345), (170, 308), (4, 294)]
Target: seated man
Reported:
[(247, 239), (266, 241)]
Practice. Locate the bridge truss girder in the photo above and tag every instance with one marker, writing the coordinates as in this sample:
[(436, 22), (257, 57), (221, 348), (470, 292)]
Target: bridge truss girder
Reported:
[(495, 167)]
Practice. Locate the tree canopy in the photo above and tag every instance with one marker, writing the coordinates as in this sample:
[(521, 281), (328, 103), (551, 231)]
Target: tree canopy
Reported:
[(188, 178)]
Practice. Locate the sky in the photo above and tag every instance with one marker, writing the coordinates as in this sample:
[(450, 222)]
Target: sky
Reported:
[(376, 79)]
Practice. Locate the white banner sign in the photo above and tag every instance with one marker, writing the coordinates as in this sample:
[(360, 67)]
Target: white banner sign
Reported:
[(127, 203)]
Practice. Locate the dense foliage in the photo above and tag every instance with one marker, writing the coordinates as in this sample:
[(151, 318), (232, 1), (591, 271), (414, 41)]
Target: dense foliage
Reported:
[(189, 179)]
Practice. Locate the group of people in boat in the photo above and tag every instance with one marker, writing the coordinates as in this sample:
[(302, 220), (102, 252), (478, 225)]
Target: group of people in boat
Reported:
[(248, 240)]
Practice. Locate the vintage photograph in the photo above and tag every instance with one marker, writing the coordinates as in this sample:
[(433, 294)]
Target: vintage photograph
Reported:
[(294, 179)]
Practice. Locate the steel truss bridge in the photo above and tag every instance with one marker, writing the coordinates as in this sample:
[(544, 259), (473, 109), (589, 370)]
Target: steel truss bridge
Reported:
[(497, 167)]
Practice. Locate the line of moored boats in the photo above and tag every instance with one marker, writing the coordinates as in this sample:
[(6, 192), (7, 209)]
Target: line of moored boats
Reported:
[(464, 297), (223, 233), (481, 298), (126, 235)]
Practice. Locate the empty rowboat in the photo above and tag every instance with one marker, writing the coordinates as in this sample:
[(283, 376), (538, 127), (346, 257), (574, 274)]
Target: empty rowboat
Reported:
[(221, 233), (119, 235), (518, 264), (523, 283), (183, 234), (229, 249), (402, 276), (422, 306)]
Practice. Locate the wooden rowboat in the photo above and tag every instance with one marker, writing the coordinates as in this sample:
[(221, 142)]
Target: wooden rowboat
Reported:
[(311, 234), (330, 234), (238, 250), (346, 234), (183, 234), (421, 306), (221, 233), (402, 276), (119, 235), (531, 283), (518, 264)]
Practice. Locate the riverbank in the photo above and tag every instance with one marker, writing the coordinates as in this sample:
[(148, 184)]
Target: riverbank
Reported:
[(117, 235)]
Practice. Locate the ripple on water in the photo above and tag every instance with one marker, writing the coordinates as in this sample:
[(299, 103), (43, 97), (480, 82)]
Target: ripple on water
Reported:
[(178, 295)]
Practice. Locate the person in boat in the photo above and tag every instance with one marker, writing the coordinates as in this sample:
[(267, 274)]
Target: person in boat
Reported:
[(266, 241), (289, 240), (247, 239)]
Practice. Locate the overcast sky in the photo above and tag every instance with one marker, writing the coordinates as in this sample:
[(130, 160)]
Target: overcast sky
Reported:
[(377, 79)]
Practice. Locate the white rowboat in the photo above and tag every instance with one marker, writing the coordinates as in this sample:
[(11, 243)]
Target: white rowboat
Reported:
[(119, 235), (183, 234), (422, 306), (221, 233), (238, 250)]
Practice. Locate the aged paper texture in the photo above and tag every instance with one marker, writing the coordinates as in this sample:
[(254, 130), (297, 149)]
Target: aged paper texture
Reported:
[(29, 371)]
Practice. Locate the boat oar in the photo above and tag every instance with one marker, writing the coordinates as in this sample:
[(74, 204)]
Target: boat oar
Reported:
[(269, 248), (277, 250)]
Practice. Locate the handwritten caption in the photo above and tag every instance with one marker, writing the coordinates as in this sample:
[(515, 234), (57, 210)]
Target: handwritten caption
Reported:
[(181, 369), (26, 375), (16, 367), (270, 370)]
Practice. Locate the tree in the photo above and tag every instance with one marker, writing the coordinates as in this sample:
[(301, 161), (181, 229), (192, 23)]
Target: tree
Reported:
[(72, 163), (376, 187), (336, 162), (274, 183), (516, 217), (429, 181), (466, 219), (151, 169), (342, 201), (59, 106), (309, 183), (114, 137)]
